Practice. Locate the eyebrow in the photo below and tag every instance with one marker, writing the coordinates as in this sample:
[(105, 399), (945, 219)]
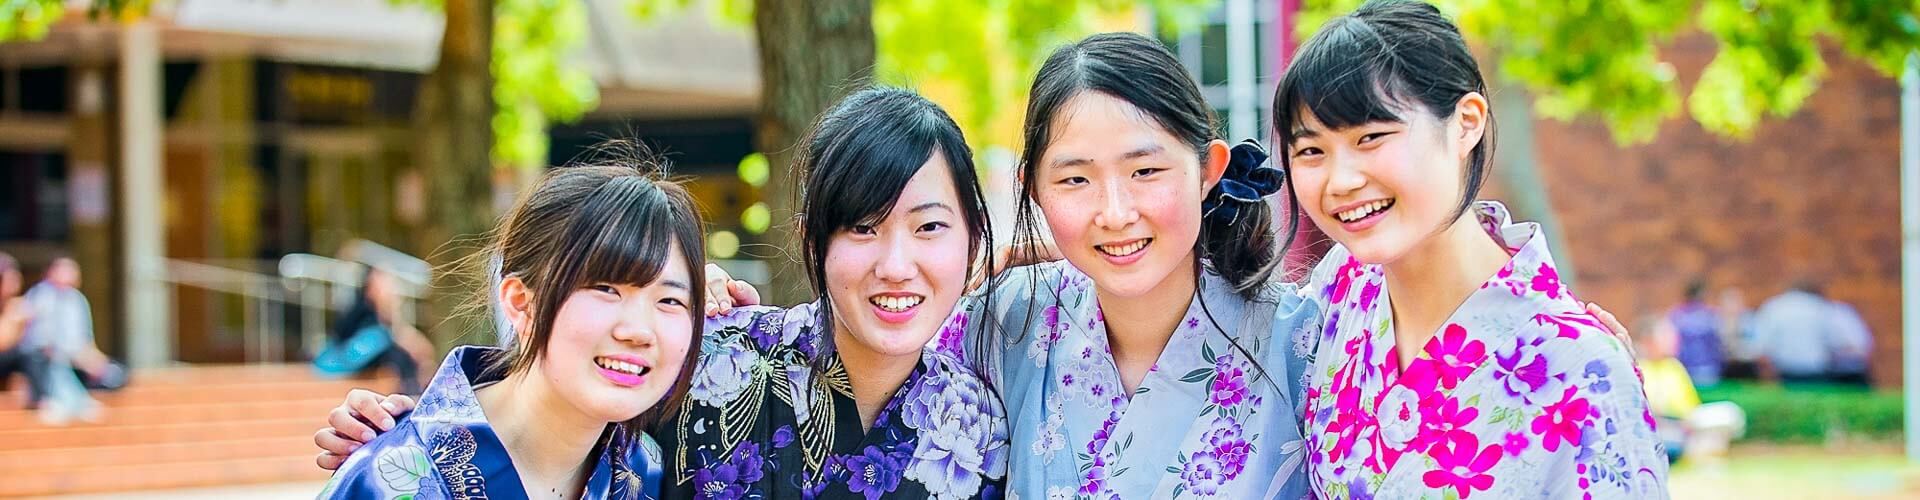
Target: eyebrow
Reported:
[(1141, 152), (929, 206), (1305, 133), (675, 284)]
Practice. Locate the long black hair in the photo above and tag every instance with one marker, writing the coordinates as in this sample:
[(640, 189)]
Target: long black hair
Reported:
[(1386, 58), (1143, 73), (858, 160)]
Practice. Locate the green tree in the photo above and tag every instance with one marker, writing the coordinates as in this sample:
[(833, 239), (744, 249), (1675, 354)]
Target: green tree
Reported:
[(812, 54), (1602, 59)]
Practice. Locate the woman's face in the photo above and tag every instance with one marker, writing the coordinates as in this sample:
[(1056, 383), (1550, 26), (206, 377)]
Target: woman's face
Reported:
[(1121, 195), (892, 284), (1381, 188)]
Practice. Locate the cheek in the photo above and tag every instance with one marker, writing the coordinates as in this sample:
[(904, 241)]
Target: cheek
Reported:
[(1068, 215), (945, 261)]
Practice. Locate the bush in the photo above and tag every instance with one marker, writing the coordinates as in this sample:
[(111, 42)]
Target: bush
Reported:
[(1812, 413)]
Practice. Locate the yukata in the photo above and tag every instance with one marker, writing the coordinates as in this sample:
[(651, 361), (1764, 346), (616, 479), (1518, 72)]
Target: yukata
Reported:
[(1522, 394), (769, 415), (446, 449), (1217, 416)]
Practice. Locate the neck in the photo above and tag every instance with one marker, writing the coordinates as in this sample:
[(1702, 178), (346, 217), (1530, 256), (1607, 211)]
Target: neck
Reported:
[(1432, 280), (1139, 327), (875, 376), (549, 439)]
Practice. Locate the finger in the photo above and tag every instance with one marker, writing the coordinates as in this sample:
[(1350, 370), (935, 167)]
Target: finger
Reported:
[(398, 404), (329, 461), (333, 443), (366, 405), (744, 293), (343, 422)]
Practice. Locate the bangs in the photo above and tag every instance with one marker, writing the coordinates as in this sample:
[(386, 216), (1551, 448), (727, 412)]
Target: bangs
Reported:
[(622, 235), (866, 172), (1325, 82)]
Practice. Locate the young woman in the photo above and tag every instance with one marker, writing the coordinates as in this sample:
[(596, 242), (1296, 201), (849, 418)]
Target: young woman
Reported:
[(601, 284), (842, 397), (1452, 362)]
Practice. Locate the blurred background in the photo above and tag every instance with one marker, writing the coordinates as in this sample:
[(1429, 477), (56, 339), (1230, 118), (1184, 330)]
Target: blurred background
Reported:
[(240, 188)]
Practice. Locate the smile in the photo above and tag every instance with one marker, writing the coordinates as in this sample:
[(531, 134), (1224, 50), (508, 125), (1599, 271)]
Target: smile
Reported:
[(1124, 248), (896, 303), (1365, 211)]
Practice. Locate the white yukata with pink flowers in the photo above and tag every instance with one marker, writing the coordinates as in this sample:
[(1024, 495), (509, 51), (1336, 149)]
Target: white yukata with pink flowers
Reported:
[(1521, 395), (1217, 417)]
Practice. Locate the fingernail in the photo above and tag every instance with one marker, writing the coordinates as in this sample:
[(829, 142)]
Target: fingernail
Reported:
[(352, 447), (390, 409), (389, 424), (366, 436)]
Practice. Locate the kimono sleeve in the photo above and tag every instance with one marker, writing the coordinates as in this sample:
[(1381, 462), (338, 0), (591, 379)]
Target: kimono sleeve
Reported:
[(390, 470), (1617, 453)]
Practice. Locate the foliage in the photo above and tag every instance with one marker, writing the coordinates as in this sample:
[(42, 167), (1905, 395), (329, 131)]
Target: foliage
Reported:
[(1582, 57)]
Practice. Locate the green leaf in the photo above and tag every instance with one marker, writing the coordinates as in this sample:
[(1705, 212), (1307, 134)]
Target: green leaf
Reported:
[(1206, 352), (1197, 375)]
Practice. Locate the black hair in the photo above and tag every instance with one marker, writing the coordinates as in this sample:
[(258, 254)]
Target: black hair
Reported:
[(1697, 289), (858, 159), (613, 219), (1383, 59), (1143, 73), (1139, 70)]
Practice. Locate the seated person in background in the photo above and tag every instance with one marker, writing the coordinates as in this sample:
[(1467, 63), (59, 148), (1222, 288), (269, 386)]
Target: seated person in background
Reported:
[(62, 330), (1795, 335), (373, 332), (14, 314), (1853, 354), (1688, 427)]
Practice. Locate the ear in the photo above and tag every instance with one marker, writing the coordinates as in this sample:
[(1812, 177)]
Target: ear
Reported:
[(1215, 166), (516, 301), (1472, 116)]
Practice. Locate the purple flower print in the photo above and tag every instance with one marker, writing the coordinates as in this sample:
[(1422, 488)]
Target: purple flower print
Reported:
[(873, 473), (1229, 383), (1202, 474)]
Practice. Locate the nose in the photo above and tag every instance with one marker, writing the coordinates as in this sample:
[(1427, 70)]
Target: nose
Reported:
[(896, 260), (637, 324), (1346, 176), (1117, 210)]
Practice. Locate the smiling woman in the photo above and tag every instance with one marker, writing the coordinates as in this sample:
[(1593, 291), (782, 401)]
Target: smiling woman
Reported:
[(600, 282)]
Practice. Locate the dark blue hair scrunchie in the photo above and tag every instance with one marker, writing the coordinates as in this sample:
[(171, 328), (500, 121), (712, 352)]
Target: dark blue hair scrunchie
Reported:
[(1247, 180)]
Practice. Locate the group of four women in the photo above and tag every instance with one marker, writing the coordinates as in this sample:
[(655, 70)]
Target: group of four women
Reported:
[(1432, 354)]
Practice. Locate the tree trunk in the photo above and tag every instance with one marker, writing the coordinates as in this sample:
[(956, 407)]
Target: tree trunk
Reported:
[(1517, 164), (454, 126), (811, 54)]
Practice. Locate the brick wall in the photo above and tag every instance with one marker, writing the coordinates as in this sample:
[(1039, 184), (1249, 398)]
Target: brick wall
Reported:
[(1815, 195)]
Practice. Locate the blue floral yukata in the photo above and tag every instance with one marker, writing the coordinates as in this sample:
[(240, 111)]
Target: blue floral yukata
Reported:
[(767, 417), (446, 450)]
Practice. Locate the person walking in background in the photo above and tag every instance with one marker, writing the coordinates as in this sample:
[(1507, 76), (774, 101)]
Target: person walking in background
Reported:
[(1688, 427), (1697, 327)]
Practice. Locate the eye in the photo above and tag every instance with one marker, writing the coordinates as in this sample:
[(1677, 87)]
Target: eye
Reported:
[(1307, 152), (604, 288), (1072, 181), (673, 302), (861, 229), (1373, 137), (1146, 172), (933, 226)]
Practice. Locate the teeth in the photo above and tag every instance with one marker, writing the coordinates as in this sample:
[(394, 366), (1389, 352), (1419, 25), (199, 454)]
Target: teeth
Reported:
[(1363, 211), (1127, 249), (620, 366), (896, 304)]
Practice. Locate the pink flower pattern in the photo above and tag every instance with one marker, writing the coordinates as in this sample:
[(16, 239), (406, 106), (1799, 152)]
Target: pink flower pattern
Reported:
[(1464, 420)]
